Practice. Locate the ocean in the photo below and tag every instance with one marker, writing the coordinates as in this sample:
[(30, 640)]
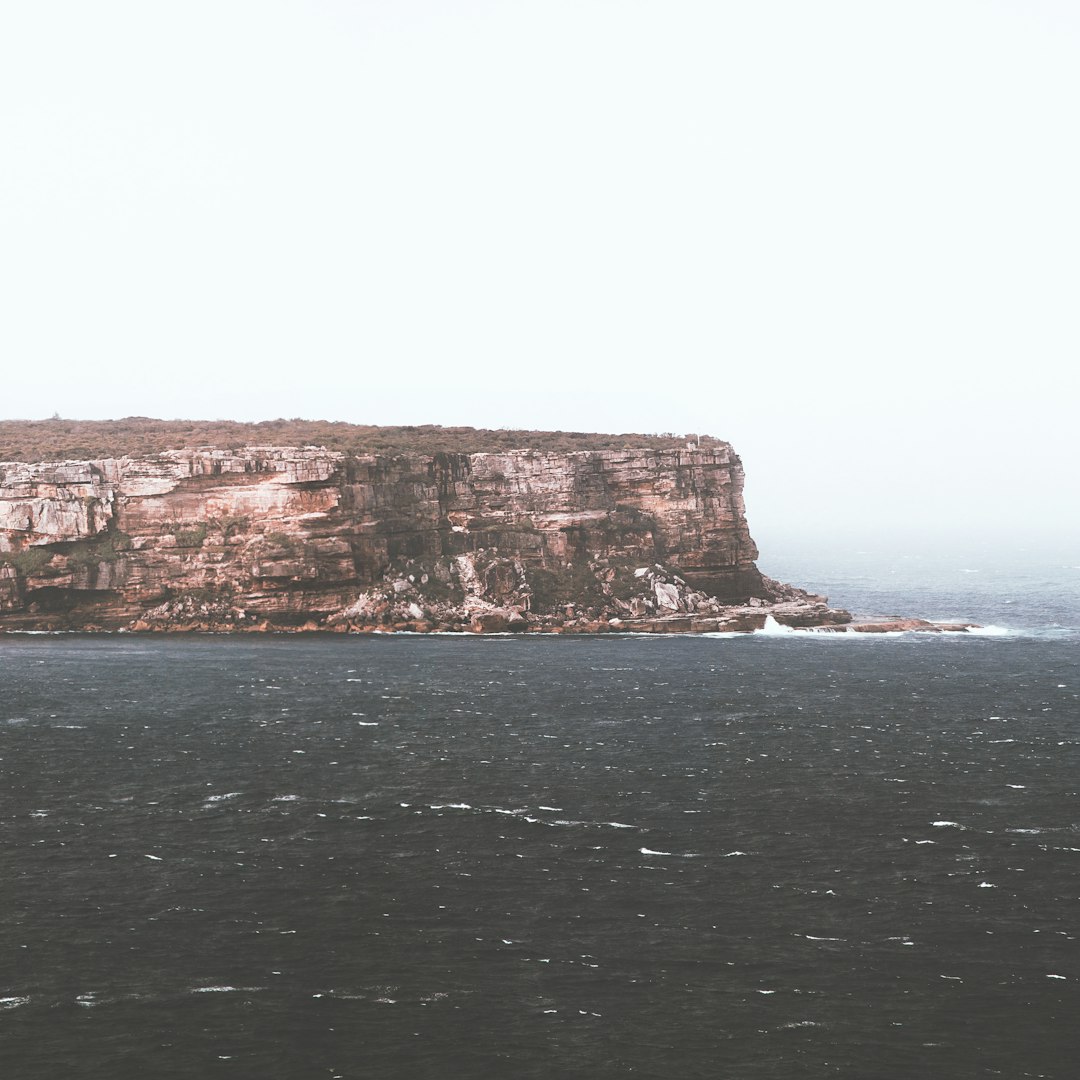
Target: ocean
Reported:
[(766, 856)]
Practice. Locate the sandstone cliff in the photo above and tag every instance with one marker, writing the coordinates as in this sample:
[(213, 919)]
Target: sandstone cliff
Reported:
[(286, 537)]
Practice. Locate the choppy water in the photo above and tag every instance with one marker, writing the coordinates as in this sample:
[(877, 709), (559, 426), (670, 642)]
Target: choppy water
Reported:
[(755, 857)]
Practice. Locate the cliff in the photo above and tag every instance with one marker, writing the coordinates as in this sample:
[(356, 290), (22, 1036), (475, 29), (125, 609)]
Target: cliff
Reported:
[(309, 538)]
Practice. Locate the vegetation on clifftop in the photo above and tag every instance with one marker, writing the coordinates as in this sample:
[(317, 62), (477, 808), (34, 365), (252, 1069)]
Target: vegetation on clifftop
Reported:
[(137, 436)]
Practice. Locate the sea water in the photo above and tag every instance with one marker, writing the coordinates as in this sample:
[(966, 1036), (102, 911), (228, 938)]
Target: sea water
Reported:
[(767, 856)]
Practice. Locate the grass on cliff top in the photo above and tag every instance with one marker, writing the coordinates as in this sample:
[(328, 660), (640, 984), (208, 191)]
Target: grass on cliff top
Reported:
[(136, 436)]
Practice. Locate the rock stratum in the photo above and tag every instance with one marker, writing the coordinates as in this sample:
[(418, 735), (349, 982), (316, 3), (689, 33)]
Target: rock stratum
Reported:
[(304, 538)]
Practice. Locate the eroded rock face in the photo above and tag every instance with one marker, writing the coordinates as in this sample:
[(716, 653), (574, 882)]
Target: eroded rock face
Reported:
[(286, 537)]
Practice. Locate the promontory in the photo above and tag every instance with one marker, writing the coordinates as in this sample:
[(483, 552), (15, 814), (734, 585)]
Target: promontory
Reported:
[(145, 525)]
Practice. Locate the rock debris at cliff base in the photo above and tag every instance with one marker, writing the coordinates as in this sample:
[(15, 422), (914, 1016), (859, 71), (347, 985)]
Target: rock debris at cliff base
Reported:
[(288, 538)]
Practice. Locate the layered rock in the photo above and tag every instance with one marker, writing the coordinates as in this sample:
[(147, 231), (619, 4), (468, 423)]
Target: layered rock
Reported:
[(286, 537)]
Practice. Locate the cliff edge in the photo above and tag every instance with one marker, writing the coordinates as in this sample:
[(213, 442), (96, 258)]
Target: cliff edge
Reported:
[(287, 538)]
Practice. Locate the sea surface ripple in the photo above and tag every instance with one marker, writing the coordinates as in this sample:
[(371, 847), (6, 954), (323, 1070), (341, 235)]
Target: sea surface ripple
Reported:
[(758, 857)]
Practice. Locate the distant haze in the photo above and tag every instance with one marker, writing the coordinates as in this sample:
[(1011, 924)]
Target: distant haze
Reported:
[(842, 235)]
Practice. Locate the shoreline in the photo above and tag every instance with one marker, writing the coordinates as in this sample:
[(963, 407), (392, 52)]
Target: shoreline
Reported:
[(627, 628)]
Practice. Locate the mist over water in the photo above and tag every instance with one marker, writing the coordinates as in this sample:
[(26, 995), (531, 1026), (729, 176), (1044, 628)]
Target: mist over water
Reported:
[(1035, 587), (760, 856)]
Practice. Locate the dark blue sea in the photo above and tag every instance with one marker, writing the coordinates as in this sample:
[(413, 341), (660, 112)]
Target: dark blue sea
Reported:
[(764, 857)]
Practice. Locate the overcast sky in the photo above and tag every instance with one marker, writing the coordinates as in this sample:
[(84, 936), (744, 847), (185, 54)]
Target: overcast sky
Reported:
[(843, 235)]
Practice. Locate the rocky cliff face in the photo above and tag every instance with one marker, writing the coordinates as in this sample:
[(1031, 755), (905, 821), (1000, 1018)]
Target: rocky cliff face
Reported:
[(283, 537)]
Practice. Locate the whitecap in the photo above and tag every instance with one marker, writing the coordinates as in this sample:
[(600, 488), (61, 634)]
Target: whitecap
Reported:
[(730, 854), (649, 851), (986, 885), (773, 628), (221, 798), (156, 858), (946, 824), (285, 798), (451, 806), (13, 1002), (991, 631)]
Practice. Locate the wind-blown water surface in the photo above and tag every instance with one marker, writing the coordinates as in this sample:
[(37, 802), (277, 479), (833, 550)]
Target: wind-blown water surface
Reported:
[(753, 857)]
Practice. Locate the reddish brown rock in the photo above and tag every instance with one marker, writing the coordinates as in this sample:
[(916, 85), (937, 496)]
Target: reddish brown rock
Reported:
[(893, 626), (287, 538)]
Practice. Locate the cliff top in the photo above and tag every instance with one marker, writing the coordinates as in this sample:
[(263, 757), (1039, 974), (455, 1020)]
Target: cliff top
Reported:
[(138, 436)]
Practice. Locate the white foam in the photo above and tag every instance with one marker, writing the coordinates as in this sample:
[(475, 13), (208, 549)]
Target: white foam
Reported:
[(946, 824), (13, 1002), (221, 798), (773, 628), (451, 806), (991, 631)]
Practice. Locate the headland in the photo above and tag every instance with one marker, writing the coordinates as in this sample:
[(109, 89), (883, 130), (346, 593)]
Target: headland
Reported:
[(391, 529)]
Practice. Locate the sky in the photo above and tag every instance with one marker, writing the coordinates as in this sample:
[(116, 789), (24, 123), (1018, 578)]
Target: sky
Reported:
[(844, 235)]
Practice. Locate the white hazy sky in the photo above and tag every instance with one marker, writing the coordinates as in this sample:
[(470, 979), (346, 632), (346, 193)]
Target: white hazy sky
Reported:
[(844, 234)]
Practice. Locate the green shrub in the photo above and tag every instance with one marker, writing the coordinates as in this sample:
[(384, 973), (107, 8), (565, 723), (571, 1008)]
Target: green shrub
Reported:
[(103, 548), (229, 524), (50, 440), (284, 543), (193, 537), (28, 562)]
